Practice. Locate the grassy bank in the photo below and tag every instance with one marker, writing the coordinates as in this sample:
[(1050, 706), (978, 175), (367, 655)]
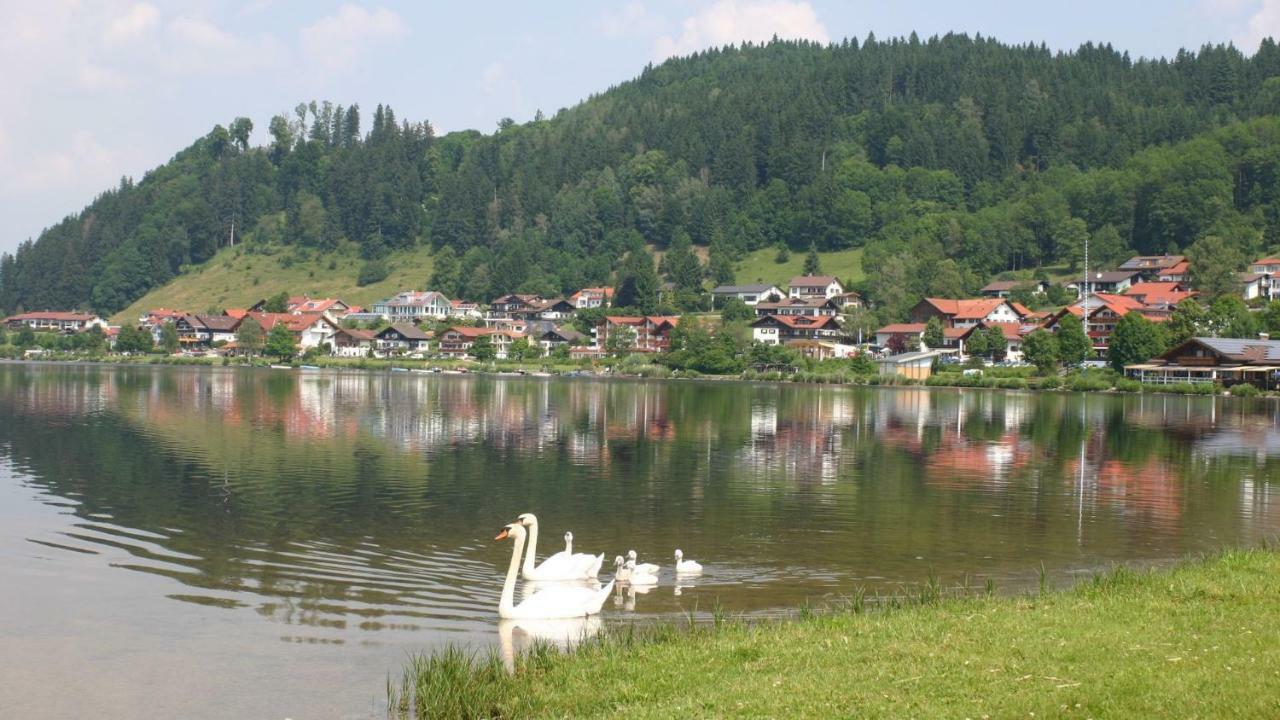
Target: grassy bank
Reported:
[(762, 266), (1198, 640), (236, 277)]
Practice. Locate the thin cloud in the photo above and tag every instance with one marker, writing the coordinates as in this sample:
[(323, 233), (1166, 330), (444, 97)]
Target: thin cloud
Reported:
[(334, 43), (1263, 23), (734, 21)]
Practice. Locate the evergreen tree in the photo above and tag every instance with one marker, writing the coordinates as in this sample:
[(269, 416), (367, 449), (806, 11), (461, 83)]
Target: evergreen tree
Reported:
[(812, 266), (445, 271), (734, 310), (638, 283)]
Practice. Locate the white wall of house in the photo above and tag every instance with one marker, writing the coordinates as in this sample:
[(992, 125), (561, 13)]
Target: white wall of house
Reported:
[(831, 290), (766, 335)]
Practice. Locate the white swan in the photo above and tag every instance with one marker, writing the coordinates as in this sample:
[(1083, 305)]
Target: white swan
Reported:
[(637, 576), (552, 602), (621, 572), (564, 633), (686, 567), (564, 565), (647, 568)]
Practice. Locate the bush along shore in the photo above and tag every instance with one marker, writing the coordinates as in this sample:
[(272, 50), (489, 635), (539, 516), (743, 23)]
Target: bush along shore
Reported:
[(828, 372), (1201, 639)]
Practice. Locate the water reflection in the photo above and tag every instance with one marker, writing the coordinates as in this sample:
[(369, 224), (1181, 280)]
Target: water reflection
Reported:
[(356, 510)]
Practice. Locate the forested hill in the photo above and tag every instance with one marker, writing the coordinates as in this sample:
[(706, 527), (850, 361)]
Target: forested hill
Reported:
[(950, 160)]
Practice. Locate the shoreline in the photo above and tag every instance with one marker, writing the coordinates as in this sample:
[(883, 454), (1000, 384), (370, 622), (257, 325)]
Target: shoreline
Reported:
[(1199, 638), (1080, 383)]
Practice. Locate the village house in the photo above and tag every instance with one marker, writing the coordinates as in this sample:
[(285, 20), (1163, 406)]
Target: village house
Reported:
[(465, 309), (159, 316), (779, 329), (555, 337), (66, 323), (1103, 311), (814, 285), (310, 330), (457, 342), (1004, 288), (814, 306), (964, 313), (849, 300), (749, 294), (1155, 267), (514, 305), (412, 306), (1254, 286), (593, 297), (336, 308), (652, 333), (1113, 282), (1159, 294), (552, 309), (203, 331), (1014, 333), (348, 342), (402, 338), (1229, 361), (907, 334), (1270, 269)]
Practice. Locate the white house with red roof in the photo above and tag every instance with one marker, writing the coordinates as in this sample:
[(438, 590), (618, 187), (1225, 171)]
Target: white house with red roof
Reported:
[(779, 329), (592, 297), (964, 313), (413, 306), (57, 322)]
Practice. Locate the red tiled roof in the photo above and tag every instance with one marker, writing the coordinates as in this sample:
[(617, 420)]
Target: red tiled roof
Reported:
[(974, 309), (1267, 261), (1159, 293), (803, 321), (901, 328)]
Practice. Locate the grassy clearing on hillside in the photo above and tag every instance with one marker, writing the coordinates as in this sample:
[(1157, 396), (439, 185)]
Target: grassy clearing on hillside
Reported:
[(1199, 640), (759, 266), (236, 278)]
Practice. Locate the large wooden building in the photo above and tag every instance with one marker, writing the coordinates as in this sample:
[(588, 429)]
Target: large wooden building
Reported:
[(1229, 361)]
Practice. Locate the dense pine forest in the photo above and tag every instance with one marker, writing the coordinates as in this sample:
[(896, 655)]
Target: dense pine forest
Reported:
[(949, 160)]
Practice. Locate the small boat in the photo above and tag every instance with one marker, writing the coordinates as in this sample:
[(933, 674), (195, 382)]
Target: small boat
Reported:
[(281, 367), (399, 369), (308, 367), (420, 371)]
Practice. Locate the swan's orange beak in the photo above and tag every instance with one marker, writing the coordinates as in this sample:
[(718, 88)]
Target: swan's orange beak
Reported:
[(503, 535)]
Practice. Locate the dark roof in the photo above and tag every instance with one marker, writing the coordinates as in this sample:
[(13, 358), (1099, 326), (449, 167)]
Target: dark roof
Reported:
[(1151, 262), (219, 323), (1112, 276), (812, 280), (410, 332), (1242, 350), (730, 289)]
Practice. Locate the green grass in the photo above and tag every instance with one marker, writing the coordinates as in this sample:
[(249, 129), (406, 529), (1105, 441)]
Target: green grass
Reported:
[(1199, 640), (236, 278), (759, 266)]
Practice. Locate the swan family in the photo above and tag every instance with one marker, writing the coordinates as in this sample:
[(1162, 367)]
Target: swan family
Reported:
[(567, 586)]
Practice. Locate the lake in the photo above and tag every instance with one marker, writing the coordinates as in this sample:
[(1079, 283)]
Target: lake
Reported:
[(213, 543)]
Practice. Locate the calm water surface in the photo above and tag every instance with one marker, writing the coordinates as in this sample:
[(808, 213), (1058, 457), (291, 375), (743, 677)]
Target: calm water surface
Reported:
[(208, 543)]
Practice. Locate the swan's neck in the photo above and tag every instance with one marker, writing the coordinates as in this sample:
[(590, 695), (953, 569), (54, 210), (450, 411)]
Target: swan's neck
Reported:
[(568, 546), (529, 558), (507, 601)]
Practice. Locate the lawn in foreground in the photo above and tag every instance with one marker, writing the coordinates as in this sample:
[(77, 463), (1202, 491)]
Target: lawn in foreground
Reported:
[(1199, 640)]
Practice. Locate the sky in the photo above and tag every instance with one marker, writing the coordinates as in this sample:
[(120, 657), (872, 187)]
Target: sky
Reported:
[(94, 90)]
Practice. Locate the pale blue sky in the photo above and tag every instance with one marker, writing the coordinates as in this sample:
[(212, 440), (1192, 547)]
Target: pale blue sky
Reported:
[(93, 90)]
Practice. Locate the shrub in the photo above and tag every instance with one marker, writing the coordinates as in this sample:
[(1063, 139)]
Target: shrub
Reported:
[(1128, 385), (1245, 390)]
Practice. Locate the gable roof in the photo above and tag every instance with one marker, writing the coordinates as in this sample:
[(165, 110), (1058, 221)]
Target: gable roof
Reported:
[(408, 331), (1267, 261), (56, 316), (804, 322), (1159, 293), (1245, 351), (731, 289), (219, 323), (972, 309), (1151, 262), (901, 329), (1113, 276)]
